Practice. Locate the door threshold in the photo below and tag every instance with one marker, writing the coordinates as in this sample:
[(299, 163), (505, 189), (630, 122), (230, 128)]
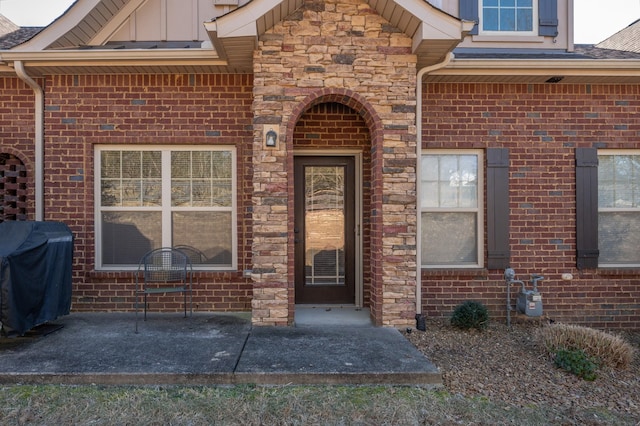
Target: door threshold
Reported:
[(332, 315)]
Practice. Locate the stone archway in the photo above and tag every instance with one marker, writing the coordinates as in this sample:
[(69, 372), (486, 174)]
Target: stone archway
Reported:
[(360, 60), (364, 112)]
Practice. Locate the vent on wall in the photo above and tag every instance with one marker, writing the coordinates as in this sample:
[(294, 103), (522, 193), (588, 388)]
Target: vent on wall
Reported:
[(555, 79)]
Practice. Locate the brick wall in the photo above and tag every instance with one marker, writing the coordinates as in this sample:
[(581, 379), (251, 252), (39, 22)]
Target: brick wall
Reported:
[(82, 111), (541, 125), (17, 124)]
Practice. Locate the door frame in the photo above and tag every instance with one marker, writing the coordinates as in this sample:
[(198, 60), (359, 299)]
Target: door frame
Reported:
[(357, 157)]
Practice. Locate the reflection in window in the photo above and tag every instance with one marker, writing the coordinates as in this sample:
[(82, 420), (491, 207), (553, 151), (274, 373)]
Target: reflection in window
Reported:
[(619, 208), (451, 211), (507, 15), (154, 197)]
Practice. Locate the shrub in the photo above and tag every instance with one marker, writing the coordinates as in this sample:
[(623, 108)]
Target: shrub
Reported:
[(577, 362), (607, 349), (470, 314)]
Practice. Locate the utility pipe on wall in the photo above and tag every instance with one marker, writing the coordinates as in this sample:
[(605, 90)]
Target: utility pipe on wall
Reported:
[(39, 137), (424, 71)]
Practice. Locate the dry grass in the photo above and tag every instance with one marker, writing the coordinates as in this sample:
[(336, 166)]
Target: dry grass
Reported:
[(251, 405), (609, 350)]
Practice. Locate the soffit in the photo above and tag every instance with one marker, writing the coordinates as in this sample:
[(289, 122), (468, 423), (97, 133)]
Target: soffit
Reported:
[(434, 32), (579, 71)]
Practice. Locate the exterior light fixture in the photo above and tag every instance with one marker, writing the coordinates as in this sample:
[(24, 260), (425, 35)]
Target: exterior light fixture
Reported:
[(271, 138)]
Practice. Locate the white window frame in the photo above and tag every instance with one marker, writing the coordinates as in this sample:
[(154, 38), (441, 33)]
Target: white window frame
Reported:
[(534, 23), (617, 152), (166, 207), (478, 210)]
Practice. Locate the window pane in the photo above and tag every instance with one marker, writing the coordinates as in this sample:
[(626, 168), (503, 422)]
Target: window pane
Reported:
[(429, 194), (152, 164), (110, 164), (130, 178), (525, 20), (507, 19), (606, 182), (201, 179), (111, 193), (618, 237), (127, 236), (180, 164), (131, 164), (457, 184), (449, 238), (205, 236), (619, 181)]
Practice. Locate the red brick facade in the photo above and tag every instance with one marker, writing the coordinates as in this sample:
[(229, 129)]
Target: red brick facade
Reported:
[(541, 125), (333, 75), (82, 111)]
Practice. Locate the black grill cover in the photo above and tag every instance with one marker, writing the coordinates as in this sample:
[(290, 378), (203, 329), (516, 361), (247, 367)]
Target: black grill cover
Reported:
[(35, 273)]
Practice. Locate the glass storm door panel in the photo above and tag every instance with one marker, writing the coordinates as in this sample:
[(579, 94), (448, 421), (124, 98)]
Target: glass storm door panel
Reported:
[(324, 229)]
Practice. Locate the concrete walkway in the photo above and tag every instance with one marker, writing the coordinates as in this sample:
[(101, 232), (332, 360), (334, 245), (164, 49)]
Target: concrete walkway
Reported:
[(210, 348)]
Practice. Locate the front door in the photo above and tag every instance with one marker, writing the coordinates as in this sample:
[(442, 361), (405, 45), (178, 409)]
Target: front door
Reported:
[(324, 230)]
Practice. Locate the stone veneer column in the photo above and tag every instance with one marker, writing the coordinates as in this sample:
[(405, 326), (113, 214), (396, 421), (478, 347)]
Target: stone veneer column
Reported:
[(324, 49)]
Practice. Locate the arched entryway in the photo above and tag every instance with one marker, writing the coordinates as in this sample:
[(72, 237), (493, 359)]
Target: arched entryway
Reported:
[(334, 218)]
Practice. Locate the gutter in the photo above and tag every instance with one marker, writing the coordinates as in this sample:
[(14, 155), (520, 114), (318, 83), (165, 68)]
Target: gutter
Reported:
[(424, 71), (39, 137)]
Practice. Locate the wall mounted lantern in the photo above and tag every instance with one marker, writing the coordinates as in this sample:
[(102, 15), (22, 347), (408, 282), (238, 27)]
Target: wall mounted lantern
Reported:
[(271, 138)]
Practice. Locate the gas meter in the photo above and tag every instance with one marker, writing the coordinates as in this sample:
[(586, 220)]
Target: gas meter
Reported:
[(530, 301)]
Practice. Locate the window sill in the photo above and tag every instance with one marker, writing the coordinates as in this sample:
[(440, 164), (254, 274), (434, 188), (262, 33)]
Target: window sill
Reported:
[(457, 272), (617, 271)]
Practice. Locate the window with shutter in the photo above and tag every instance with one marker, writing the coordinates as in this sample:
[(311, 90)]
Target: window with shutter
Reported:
[(518, 17), (618, 208), (452, 209)]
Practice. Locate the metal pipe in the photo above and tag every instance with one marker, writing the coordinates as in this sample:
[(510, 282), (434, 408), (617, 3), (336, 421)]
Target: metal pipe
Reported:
[(39, 137), (424, 71)]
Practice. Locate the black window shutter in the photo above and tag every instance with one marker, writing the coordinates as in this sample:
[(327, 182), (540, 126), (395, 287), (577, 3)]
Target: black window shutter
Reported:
[(469, 12), (587, 208), (548, 18), (498, 251)]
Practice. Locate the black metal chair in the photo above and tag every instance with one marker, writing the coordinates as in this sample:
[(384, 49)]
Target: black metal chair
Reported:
[(196, 256), (164, 270)]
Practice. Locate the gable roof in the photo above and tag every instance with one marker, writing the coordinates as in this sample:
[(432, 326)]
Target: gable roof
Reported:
[(434, 32), (627, 39), (89, 38), (80, 39), (12, 35)]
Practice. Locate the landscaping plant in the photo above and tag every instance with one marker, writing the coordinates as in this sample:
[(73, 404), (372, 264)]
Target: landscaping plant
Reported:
[(470, 314), (606, 349)]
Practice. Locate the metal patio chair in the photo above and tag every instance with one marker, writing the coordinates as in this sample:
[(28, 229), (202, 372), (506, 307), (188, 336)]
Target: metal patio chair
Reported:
[(195, 256), (164, 270)]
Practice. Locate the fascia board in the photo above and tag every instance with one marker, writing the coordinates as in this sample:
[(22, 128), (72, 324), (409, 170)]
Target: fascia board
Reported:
[(435, 23), (60, 26), (156, 56)]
